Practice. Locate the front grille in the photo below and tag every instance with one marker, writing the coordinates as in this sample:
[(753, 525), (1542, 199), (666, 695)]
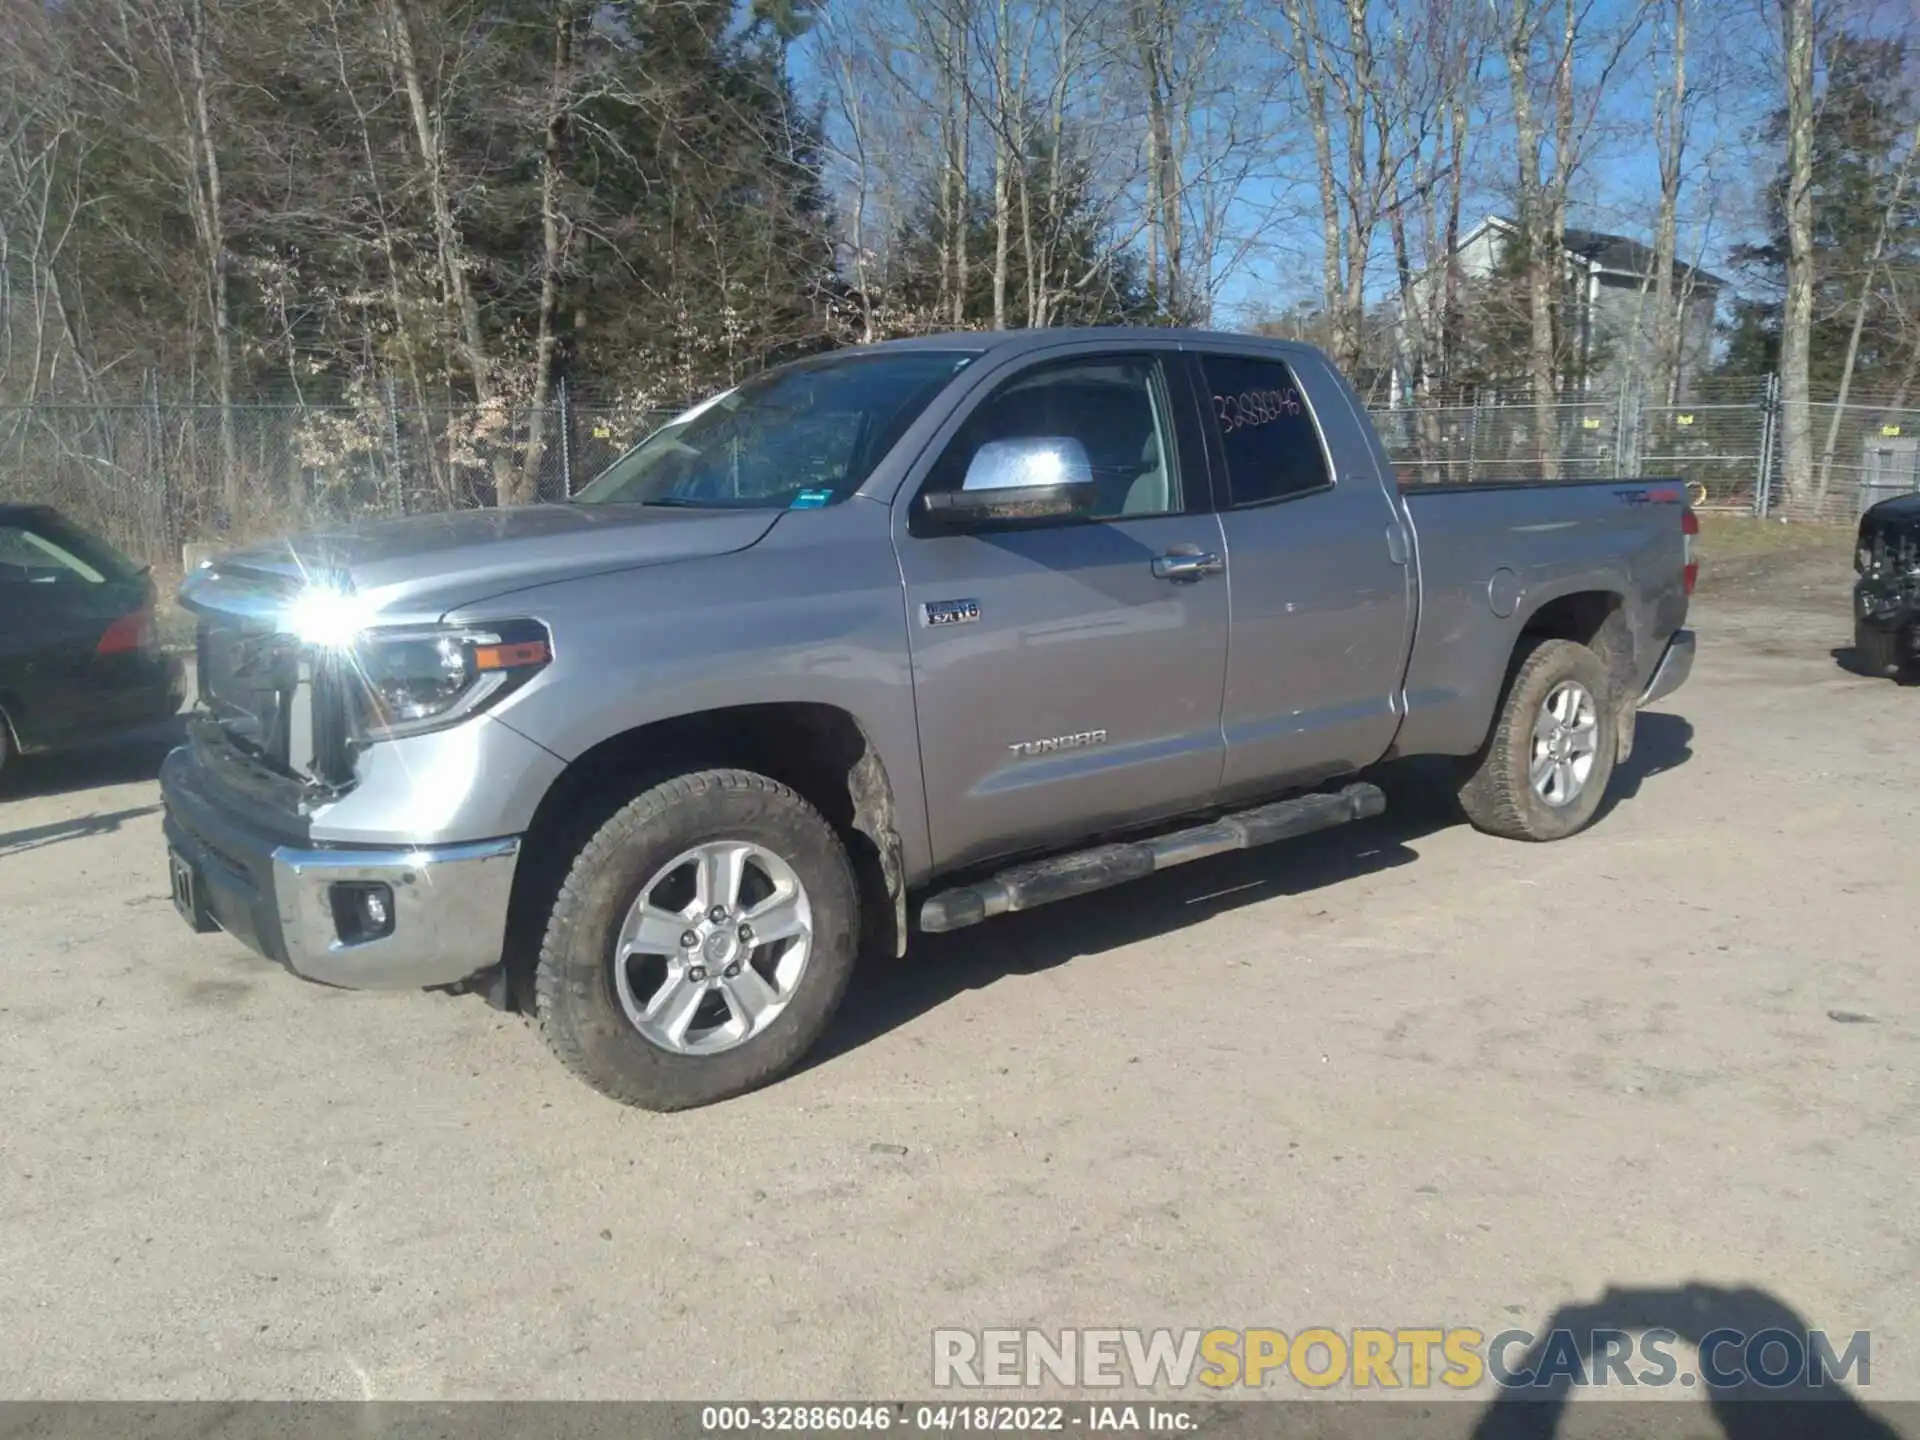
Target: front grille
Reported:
[(250, 671), (249, 677)]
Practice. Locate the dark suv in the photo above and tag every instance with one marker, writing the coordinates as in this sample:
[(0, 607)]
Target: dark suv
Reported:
[(80, 661), (1886, 597)]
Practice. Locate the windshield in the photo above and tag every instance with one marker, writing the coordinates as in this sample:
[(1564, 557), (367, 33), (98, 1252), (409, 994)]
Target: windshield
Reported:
[(800, 437)]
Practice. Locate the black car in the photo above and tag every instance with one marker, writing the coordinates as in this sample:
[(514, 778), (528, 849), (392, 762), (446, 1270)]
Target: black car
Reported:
[(80, 659), (1886, 597)]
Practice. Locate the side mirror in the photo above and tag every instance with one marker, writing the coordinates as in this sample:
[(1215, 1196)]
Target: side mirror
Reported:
[(1039, 477)]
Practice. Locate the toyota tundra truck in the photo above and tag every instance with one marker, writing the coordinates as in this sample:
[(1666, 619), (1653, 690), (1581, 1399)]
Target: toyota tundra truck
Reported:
[(908, 635)]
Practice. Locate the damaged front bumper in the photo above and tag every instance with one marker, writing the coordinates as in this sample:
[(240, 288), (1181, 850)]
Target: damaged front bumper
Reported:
[(1884, 603), (362, 917)]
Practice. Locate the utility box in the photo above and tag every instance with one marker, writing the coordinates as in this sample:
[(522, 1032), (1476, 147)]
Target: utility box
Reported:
[(1890, 465)]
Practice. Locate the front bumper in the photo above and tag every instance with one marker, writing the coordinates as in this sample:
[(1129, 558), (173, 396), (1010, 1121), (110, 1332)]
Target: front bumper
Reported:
[(1889, 605), (276, 893), (1676, 664)]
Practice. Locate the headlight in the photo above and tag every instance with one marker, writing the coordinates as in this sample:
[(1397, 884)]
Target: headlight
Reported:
[(404, 682)]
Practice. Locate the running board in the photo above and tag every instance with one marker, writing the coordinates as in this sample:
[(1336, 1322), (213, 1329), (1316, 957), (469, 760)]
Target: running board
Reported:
[(1026, 887)]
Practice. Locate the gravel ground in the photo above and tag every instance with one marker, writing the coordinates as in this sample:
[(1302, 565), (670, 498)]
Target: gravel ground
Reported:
[(1398, 1074)]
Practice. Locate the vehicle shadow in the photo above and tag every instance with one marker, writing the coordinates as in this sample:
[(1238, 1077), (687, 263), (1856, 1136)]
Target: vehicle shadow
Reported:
[(38, 837), (124, 761), (1661, 742), (1851, 661), (1576, 1336), (937, 968)]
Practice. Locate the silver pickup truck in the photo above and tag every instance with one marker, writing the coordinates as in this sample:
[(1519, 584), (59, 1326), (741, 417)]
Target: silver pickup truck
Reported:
[(919, 633)]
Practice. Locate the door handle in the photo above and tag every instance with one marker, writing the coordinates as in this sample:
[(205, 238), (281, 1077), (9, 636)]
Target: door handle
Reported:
[(1397, 543), (1193, 565)]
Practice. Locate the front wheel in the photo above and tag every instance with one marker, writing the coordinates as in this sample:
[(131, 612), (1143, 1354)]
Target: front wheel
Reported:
[(700, 944), (1544, 770), (1880, 652)]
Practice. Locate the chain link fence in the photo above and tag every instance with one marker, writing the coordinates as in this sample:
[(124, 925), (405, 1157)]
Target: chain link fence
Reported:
[(156, 477), (1862, 453), (1726, 442)]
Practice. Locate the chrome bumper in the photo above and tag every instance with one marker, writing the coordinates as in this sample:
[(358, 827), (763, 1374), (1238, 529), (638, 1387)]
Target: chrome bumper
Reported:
[(444, 907), (1674, 668), (449, 912)]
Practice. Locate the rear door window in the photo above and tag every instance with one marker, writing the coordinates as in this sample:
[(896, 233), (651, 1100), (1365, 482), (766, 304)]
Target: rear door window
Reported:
[(30, 558), (1267, 433)]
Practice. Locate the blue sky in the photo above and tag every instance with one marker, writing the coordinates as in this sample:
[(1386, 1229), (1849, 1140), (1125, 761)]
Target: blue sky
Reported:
[(1615, 190)]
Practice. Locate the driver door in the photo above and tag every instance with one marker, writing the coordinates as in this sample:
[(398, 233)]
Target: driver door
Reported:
[(1065, 682)]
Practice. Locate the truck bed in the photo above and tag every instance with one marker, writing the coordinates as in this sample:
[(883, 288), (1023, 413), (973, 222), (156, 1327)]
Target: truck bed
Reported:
[(1496, 557)]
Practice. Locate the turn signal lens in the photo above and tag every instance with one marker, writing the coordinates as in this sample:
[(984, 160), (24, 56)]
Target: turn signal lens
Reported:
[(511, 657)]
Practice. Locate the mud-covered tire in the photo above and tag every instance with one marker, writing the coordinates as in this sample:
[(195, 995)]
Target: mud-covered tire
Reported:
[(1497, 792), (1879, 653), (580, 1013)]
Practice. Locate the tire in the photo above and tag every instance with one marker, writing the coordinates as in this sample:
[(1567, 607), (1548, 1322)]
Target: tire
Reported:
[(591, 1009), (1498, 794), (1880, 653)]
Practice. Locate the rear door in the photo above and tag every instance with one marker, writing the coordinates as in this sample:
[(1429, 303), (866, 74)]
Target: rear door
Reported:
[(1065, 683), (1317, 573)]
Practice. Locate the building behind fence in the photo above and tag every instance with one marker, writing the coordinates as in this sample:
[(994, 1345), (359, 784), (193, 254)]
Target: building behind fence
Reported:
[(156, 477)]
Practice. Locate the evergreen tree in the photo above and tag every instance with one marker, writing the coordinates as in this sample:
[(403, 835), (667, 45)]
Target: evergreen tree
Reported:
[(1085, 278), (1861, 131)]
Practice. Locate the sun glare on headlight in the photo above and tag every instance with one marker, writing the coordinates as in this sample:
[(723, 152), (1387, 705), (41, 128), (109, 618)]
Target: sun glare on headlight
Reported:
[(327, 617)]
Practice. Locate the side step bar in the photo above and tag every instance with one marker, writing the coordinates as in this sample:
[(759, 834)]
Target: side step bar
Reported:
[(1042, 882)]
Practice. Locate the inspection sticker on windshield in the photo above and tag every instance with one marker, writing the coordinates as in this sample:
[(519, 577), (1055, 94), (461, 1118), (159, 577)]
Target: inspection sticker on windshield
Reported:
[(810, 499)]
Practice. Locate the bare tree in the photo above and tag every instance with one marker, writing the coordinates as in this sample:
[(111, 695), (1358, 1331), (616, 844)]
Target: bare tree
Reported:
[(1557, 36), (1670, 126), (1796, 323), (553, 238), (1305, 45), (1154, 37), (428, 135), (1006, 119), (1896, 198), (1539, 213), (848, 78)]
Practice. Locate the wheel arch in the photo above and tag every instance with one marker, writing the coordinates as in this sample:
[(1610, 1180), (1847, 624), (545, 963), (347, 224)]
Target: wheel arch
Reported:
[(1597, 619), (9, 728), (821, 751)]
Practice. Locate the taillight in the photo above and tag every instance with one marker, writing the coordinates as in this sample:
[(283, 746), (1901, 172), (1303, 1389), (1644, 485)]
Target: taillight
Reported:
[(130, 632), (1689, 531)]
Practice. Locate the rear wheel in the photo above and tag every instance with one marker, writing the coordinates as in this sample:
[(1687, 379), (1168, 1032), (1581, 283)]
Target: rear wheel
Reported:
[(1544, 770), (700, 944)]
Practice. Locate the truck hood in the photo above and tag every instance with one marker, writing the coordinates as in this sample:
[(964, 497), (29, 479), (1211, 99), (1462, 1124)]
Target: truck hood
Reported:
[(421, 566)]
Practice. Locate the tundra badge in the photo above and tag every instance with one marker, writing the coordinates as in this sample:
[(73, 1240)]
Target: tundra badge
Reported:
[(1059, 742)]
